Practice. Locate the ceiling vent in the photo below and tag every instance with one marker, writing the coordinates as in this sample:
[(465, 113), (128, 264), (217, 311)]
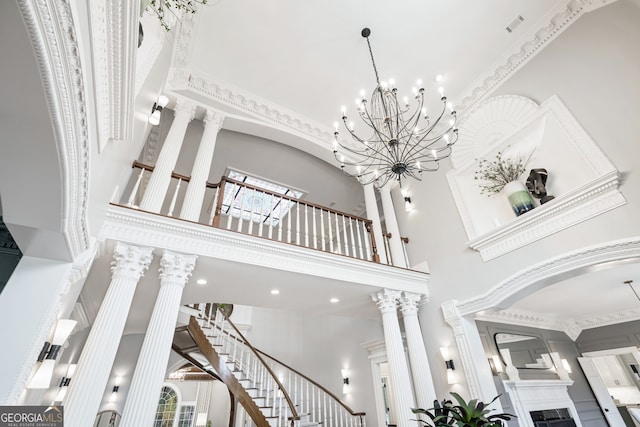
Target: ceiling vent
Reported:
[(512, 26)]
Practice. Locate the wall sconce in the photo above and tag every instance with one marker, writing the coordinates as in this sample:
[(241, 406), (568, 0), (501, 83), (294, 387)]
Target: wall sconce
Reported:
[(154, 118), (407, 201), (345, 381), (64, 383), (49, 352), (496, 364), (448, 362), (116, 388)]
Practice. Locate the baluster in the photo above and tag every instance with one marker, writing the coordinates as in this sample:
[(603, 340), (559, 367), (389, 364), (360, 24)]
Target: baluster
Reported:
[(298, 222), (253, 198), (359, 239), (134, 191), (174, 198), (214, 204), (261, 219), (330, 231), (280, 219), (306, 226), (324, 410), (353, 240), (289, 226), (346, 237), (273, 206), (331, 420), (367, 241), (338, 244), (232, 199), (243, 190), (315, 236), (322, 231)]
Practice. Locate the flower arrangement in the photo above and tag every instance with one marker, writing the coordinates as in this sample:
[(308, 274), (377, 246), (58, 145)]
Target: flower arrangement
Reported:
[(160, 7), (494, 175)]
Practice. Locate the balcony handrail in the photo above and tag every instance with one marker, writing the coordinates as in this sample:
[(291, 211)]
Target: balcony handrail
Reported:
[(150, 168)]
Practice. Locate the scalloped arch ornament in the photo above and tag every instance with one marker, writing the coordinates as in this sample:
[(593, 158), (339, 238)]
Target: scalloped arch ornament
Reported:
[(488, 124)]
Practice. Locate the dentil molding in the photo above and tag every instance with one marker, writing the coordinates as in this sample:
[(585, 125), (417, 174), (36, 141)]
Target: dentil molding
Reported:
[(54, 40)]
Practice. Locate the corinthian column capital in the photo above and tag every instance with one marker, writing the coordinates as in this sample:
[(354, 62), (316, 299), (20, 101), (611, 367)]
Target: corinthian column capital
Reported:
[(185, 107), (130, 261), (176, 268), (410, 302), (387, 300), (213, 118)]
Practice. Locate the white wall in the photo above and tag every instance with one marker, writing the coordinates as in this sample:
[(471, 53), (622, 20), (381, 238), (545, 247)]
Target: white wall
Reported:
[(319, 347), (593, 67)]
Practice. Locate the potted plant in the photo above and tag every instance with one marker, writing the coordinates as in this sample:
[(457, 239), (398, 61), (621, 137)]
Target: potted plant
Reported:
[(504, 173), (465, 414)]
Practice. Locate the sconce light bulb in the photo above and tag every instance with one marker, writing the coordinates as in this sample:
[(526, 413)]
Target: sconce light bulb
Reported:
[(163, 101)]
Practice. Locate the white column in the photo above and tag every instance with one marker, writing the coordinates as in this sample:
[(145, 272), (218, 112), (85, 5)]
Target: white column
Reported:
[(395, 244), (161, 177), (149, 374), (401, 393), (200, 173), (420, 370), (373, 214), (94, 366), (474, 362)]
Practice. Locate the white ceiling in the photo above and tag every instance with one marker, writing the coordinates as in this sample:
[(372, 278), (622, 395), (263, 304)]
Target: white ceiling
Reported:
[(309, 57)]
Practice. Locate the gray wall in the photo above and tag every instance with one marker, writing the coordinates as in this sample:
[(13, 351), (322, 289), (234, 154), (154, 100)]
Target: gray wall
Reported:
[(608, 337), (556, 341)]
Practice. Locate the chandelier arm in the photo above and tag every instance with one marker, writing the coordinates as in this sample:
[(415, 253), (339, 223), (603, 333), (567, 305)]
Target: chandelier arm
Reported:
[(369, 123), (384, 159)]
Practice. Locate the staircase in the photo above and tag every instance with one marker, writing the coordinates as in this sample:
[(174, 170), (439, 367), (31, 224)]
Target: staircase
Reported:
[(270, 393)]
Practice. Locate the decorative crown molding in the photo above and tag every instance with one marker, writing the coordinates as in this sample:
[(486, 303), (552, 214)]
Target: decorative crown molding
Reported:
[(556, 21), (53, 37)]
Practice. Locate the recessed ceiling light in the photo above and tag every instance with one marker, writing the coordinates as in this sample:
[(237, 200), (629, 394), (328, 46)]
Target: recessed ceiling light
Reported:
[(334, 300), (201, 281), (274, 292)]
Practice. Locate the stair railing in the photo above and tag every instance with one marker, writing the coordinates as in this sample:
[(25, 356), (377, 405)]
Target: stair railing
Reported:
[(310, 399), (230, 343), (240, 207)]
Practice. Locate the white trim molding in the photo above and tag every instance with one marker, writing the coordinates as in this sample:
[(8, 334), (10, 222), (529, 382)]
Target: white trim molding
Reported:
[(147, 229), (114, 30), (53, 36), (555, 22)]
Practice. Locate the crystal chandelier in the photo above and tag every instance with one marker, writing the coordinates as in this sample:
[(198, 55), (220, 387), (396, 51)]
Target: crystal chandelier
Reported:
[(401, 142)]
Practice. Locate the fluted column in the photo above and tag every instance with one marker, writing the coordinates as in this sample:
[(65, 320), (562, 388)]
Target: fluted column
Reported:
[(200, 173), (148, 376), (372, 213), (401, 393), (94, 366), (420, 370), (161, 176), (395, 244)]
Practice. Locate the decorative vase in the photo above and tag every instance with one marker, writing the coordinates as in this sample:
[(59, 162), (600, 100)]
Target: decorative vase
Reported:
[(519, 197)]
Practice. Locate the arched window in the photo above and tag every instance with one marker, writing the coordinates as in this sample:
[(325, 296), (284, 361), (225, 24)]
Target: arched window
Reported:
[(167, 406)]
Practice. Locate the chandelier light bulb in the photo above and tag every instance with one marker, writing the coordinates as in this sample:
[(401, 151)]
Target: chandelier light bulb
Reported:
[(335, 125), (406, 100), (351, 126), (414, 90), (439, 78), (435, 153), (363, 93), (419, 82), (418, 165), (441, 90), (344, 111), (450, 106)]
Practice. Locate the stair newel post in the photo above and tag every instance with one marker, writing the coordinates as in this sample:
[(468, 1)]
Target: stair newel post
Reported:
[(222, 187), (134, 190), (374, 247), (322, 239), (174, 198), (330, 231), (367, 245)]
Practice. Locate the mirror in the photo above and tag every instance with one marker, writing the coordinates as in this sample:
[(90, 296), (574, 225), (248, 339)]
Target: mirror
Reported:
[(526, 352)]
